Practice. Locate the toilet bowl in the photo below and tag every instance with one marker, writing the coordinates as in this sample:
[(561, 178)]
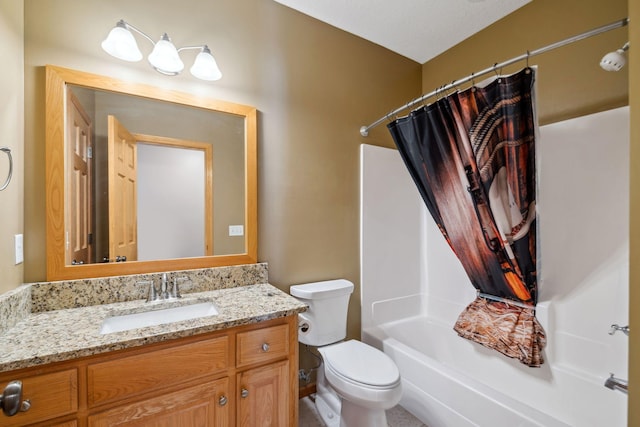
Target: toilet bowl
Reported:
[(366, 379), (356, 383)]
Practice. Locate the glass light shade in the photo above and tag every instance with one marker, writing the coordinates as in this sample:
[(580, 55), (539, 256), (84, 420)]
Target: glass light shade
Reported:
[(205, 66), (164, 57), (121, 44)]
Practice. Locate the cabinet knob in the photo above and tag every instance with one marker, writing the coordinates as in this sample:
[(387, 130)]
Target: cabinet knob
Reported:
[(244, 393), (223, 400), (265, 347), (11, 399)]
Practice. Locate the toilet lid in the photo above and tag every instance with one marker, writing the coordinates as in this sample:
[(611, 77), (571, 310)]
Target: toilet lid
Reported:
[(361, 363)]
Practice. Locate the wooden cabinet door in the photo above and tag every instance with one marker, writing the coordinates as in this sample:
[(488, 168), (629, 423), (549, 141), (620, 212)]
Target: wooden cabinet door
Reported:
[(263, 396), (204, 405), (51, 395)]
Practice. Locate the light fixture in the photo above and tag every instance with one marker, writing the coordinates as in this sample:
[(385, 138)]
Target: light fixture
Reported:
[(164, 58), (614, 61)]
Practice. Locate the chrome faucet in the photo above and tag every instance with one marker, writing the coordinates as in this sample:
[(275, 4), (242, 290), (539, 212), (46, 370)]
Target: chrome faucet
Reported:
[(164, 293), (175, 291), (616, 384)]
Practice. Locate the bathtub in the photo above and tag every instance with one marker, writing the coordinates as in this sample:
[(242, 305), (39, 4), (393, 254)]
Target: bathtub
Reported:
[(412, 289), (451, 382)]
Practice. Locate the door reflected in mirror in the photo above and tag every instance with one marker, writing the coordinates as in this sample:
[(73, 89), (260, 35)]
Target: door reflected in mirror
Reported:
[(150, 176)]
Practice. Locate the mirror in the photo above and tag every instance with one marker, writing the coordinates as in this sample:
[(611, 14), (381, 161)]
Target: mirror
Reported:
[(141, 179)]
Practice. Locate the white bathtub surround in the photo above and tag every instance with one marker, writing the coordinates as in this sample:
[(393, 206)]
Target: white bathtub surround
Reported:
[(413, 289)]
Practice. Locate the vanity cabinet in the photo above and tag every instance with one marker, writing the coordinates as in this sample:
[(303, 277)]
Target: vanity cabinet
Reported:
[(242, 376)]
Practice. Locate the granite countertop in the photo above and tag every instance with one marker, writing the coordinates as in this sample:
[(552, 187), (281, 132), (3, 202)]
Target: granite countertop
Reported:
[(65, 334)]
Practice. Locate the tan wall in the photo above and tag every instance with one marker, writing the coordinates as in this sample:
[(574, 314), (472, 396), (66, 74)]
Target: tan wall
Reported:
[(634, 238), (314, 86), (12, 131), (570, 81)]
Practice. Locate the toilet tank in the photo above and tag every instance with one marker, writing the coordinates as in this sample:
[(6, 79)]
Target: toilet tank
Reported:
[(327, 314)]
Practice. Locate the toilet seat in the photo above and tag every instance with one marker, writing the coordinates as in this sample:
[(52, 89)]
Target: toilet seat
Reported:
[(361, 365)]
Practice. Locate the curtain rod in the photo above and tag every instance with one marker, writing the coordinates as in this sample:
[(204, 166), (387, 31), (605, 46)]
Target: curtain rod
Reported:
[(364, 130)]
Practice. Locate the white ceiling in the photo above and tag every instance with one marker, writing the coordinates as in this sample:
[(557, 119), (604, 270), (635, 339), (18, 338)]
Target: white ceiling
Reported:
[(417, 29)]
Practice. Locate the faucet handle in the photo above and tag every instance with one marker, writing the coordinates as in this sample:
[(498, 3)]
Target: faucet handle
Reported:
[(152, 293), (175, 291)]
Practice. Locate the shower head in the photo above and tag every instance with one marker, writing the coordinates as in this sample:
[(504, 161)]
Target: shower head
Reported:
[(614, 61)]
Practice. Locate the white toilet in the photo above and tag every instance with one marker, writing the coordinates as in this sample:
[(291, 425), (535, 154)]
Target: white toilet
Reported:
[(356, 383)]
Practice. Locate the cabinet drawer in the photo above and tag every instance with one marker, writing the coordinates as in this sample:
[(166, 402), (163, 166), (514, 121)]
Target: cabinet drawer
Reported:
[(262, 345), (51, 396), (130, 375)]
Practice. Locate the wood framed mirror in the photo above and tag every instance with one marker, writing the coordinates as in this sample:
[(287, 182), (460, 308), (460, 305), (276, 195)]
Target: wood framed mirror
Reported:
[(94, 211)]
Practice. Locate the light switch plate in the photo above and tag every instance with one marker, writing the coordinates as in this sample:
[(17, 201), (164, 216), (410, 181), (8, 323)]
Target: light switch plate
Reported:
[(236, 230), (17, 239)]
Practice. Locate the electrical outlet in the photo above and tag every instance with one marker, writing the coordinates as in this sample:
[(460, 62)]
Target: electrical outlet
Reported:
[(17, 240), (236, 230)]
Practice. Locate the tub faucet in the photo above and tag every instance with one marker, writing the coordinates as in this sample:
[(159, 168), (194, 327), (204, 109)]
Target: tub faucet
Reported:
[(615, 328), (616, 384)]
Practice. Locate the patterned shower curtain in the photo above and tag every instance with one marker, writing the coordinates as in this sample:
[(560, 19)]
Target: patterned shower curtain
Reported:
[(472, 157)]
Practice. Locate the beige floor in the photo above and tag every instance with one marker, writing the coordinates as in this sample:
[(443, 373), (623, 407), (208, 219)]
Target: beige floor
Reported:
[(396, 417)]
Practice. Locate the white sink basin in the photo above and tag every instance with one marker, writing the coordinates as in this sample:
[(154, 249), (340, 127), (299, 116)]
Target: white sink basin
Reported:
[(127, 322)]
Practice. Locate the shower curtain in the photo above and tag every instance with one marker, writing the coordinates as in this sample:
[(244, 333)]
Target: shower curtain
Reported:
[(472, 157)]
